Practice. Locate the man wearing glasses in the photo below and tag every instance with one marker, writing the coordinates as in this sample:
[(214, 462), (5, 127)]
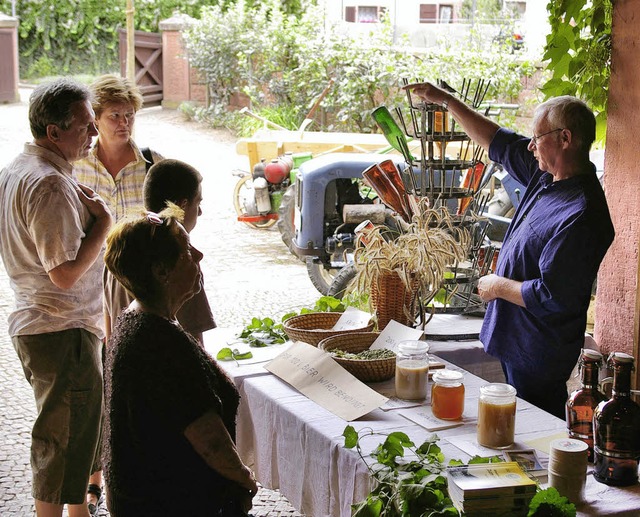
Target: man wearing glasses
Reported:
[(540, 292)]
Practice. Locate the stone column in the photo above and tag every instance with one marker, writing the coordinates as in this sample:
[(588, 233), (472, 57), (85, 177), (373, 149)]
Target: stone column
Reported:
[(179, 80), (9, 62), (617, 305)]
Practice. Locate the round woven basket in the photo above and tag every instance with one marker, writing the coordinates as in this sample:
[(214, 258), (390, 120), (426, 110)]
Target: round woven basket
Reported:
[(367, 370), (315, 326), (393, 301)]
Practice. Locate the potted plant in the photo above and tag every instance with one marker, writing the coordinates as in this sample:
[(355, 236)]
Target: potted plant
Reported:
[(403, 269)]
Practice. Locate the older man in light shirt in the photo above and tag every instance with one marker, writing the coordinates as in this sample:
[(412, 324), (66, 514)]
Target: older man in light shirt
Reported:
[(51, 235)]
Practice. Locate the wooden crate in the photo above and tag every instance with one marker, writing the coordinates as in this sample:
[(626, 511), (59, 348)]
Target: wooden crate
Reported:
[(268, 144)]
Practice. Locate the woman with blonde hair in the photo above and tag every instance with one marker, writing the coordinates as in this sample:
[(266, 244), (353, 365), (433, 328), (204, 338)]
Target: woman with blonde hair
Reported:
[(169, 409), (116, 166), (115, 169)]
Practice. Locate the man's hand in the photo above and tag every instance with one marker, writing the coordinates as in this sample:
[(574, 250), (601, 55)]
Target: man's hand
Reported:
[(94, 203), (68, 273), (487, 287), (429, 92), (492, 286)]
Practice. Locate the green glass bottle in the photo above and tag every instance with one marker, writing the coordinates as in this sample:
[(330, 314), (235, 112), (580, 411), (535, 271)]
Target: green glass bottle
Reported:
[(392, 132)]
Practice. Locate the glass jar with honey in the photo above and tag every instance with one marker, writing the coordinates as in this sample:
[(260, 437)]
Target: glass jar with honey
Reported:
[(447, 394), (497, 415)]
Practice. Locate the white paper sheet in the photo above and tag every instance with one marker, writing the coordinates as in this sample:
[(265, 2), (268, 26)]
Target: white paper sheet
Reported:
[(352, 318), (393, 334), (423, 416)]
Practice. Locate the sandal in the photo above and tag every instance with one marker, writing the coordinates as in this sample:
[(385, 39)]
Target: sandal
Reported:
[(97, 491)]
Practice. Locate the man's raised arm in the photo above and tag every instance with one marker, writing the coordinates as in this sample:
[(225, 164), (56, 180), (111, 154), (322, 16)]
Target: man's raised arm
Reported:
[(479, 128)]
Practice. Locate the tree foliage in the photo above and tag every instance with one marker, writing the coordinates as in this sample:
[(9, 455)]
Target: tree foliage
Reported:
[(81, 36), (578, 51), (284, 61)]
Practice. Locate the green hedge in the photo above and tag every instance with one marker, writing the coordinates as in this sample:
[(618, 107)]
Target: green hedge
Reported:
[(81, 36)]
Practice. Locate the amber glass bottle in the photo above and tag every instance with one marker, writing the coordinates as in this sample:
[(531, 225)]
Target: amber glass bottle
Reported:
[(582, 402), (387, 191), (616, 429)]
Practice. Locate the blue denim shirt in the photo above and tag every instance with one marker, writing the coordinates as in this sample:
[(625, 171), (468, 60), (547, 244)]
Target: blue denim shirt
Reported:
[(554, 245)]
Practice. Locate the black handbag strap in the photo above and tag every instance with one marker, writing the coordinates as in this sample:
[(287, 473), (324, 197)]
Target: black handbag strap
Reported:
[(146, 154)]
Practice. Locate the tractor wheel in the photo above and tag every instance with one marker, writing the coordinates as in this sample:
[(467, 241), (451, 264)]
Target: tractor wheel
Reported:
[(286, 214), (340, 284)]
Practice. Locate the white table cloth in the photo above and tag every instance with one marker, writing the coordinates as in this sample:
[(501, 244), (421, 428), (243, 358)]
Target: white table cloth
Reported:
[(297, 446)]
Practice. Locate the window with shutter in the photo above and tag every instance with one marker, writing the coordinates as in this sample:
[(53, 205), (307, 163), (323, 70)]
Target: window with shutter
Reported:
[(350, 14), (428, 13)]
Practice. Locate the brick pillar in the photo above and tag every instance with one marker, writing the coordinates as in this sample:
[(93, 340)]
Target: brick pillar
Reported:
[(617, 305), (9, 63), (179, 79)]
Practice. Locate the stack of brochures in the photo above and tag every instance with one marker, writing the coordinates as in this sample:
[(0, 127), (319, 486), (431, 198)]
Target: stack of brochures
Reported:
[(490, 489)]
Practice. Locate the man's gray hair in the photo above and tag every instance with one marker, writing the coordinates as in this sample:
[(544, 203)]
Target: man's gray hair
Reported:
[(50, 103), (568, 112)]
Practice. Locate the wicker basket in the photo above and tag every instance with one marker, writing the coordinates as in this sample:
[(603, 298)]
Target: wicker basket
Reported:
[(367, 370), (393, 301), (315, 326)]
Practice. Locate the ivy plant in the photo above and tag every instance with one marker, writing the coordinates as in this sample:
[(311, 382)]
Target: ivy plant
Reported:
[(410, 480), (578, 51)]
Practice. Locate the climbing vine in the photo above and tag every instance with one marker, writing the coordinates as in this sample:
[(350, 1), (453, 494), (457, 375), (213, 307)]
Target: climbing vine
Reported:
[(578, 51)]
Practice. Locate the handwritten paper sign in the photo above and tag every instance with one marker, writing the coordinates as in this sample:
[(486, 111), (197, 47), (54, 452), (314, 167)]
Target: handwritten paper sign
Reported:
[(352, 318), (312, 372), (395, 333)]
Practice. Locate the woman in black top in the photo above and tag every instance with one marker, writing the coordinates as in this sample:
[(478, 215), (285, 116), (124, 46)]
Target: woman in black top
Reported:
[(170, 410)]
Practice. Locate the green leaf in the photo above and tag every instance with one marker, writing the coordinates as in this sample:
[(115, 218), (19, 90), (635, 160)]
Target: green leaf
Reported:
[(549, 503), (225, 354), (350, 437), (485, 459), (371, 507), (238, 356)]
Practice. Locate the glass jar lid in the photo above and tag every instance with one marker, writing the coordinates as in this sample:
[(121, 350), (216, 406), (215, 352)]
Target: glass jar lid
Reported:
[(498, 389), (413, 347), (621, 357), (591, 355), (447, 376)]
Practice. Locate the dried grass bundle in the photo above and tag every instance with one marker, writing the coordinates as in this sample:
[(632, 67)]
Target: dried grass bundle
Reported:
[(420, 253)]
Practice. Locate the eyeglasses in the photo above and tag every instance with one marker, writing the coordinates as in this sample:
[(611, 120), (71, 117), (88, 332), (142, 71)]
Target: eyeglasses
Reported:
[(534, 138)]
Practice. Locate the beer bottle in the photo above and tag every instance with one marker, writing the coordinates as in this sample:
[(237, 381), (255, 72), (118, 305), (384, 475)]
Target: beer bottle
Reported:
[(583, 401), (616, 429)]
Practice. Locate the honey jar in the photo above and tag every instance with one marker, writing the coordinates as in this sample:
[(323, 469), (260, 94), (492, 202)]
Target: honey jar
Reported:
[(447, 395), (496, 415)]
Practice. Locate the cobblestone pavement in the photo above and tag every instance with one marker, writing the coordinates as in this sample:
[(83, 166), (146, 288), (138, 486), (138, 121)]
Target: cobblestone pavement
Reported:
[(247, 272)]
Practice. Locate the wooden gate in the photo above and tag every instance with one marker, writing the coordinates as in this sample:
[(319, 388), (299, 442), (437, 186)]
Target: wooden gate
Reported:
[(148, 54)]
